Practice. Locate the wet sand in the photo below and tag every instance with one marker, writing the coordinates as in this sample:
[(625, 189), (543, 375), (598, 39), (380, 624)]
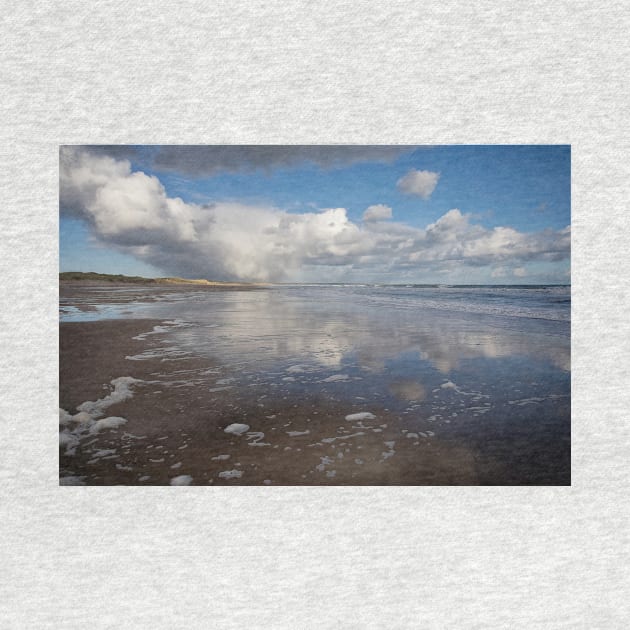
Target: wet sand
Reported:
[(177, 416), (445, 400)]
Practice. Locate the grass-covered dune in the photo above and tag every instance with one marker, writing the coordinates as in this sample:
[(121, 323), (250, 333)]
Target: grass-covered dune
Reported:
[(91, 276)]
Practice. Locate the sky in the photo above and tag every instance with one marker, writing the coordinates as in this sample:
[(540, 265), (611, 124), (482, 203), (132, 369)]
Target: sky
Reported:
[(489, 214)]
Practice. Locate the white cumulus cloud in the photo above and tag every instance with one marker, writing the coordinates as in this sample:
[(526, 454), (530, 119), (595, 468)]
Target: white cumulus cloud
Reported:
[(379, 212), (420, 183)]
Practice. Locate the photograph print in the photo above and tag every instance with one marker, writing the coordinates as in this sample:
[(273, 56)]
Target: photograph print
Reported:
[(315, 315)]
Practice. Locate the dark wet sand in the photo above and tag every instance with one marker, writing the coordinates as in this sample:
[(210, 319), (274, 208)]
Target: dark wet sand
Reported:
[(175, 425), (88, 293)]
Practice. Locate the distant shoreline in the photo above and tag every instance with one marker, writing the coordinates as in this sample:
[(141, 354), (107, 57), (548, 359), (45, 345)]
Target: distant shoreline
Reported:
[(91, 276), (106, 278)]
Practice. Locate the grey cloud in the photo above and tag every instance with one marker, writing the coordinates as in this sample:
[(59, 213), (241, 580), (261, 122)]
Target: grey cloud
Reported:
[(210, 160), (116, 151)]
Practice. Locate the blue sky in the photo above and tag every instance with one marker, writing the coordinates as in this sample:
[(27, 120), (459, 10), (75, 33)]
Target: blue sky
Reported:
[(477, 214)]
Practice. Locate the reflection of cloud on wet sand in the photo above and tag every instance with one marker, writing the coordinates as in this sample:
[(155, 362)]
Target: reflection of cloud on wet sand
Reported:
[(447, 354), (267, 326), (408, 390)]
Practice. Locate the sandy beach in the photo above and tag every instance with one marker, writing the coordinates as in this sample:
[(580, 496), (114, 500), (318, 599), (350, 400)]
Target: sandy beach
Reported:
[(148, 400)]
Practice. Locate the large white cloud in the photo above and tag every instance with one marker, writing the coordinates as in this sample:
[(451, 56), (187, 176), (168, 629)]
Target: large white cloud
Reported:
[(420, 183), (132, 212)]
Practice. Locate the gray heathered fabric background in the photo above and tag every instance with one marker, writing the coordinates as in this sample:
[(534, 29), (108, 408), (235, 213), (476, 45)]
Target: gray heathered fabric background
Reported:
[(307, 72)]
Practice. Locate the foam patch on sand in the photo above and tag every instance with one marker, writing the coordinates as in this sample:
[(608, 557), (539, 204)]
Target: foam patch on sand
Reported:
[(165, 354), (64, 418), (324, 462), (83, 417), (69, 441), (477, 410), (175, 323), (296, 369), (88, 422), (390, 453), (456, 388), (181, 480), (104, 452), (254, 438), (364, 415), (156, 330), (113, 422), (535, 399), (335, 378), (122, 391), (71, 438), (237, 428), (330, 440), (231, 474)]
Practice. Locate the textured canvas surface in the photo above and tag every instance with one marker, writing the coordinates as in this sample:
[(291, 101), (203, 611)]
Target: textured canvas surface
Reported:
[(300, 72)]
